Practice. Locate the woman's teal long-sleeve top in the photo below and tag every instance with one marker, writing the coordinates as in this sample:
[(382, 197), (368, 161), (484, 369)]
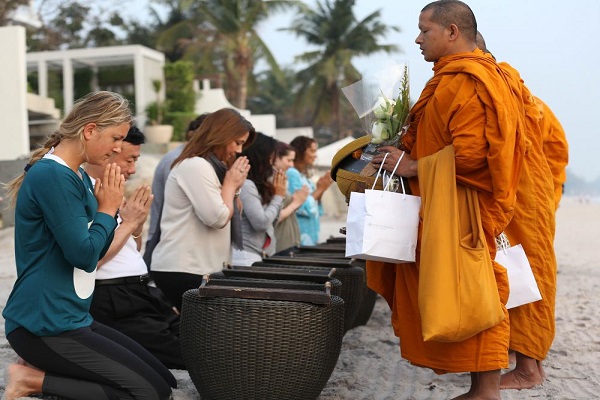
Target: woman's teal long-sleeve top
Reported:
[(59, 238)]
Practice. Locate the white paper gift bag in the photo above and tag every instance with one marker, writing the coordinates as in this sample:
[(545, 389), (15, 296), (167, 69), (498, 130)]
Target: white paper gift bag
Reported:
[(383, 225), (522, 284)]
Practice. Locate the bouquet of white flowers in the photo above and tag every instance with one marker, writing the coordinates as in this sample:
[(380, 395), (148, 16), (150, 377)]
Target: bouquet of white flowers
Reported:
[(382, 102)]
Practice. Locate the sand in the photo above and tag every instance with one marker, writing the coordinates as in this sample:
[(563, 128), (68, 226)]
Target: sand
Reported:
[(370, 366)]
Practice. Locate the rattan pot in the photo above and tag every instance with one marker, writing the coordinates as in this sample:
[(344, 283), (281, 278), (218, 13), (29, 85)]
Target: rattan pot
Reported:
[(247, 348), (335, 248), (351, 276)]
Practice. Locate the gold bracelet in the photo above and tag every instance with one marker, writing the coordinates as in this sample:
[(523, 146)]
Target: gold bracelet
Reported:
[(136, 237)]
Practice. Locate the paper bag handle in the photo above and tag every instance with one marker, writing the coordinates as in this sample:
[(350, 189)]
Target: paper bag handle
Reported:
[(379, 171), (502, 243), (393, 172)]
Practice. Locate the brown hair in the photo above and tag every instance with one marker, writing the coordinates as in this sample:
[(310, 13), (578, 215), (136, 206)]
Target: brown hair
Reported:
[(105, 109), (260, 155), (215, 132), (282, 149), (300, 144)]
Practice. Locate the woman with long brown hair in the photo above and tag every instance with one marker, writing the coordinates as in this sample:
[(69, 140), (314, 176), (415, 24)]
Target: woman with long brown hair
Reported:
[(201, 221), (261, 196)]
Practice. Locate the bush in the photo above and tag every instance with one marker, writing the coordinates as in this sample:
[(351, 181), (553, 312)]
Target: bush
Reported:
[(180, 122), (179, 77)]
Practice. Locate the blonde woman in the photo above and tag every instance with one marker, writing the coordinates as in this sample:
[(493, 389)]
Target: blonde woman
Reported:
[(63, 226)]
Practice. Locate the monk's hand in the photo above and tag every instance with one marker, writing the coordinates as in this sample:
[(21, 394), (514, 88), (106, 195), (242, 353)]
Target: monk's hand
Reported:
[(407, 166), (390, 160)]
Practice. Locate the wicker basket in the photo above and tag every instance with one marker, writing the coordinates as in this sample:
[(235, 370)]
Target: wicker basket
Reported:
[(368, 301), (320, 250), (367, 304), (296, 279), (351, 276), (336, 240), (334, 247), (239, 348)]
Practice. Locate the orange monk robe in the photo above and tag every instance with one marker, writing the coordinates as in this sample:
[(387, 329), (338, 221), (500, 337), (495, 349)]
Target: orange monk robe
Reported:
[(556, 148), (533, 225), (467, 104)]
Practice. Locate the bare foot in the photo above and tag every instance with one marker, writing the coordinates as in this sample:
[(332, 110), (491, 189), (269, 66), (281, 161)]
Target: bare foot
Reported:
[(484, 386), (473, 396), (541, 369), (519, 378), (525, 375), (463, 396), (512, 358), (22, 381)]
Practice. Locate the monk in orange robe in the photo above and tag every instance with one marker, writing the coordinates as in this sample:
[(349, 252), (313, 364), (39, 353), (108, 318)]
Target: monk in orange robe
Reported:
[(468, 104), (532, 326), (556, 148)]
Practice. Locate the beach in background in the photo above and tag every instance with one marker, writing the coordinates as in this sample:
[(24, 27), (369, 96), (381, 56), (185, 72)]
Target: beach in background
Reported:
[(370, 366)]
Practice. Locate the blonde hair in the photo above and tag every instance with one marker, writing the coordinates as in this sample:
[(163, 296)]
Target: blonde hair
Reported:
[(103, 108)]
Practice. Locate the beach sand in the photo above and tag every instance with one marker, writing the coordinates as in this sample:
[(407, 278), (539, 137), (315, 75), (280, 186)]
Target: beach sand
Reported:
[(370, 366)]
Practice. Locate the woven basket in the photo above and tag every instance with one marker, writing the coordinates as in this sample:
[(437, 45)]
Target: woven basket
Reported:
[(297, 282), (351, 276), (367, 304), (237, 348), (336, 240), (368, 301)]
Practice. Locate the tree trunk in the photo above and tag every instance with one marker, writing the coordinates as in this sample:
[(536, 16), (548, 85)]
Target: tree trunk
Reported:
[(242, 87), (335, 107)]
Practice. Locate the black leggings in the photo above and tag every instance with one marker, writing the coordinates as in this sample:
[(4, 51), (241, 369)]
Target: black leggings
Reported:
[(94, 363), (175, 284)]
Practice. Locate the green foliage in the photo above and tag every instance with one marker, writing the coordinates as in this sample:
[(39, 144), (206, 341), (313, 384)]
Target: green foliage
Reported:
[(117, 75), (402, 106), (339, 36), (179, 77), (181, 98), (180, 122), (153, 113), (82, 82), (220, 38)]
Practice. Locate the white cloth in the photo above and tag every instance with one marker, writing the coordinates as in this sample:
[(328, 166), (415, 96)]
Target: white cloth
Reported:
[(244, 258), (127, 262), (195, 227)]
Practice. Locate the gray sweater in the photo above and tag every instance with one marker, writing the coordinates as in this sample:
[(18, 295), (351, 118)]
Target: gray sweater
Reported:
[(258, 220)]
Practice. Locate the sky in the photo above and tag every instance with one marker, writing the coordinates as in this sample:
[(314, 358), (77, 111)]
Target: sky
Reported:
[(552, 43)]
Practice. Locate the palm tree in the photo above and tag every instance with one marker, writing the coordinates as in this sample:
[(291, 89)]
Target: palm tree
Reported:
[(236, 22), (333, 29), (221, 36)]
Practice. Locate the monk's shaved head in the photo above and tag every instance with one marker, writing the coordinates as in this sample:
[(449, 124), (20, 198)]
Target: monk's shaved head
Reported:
[(480, 41), (448, 12)]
